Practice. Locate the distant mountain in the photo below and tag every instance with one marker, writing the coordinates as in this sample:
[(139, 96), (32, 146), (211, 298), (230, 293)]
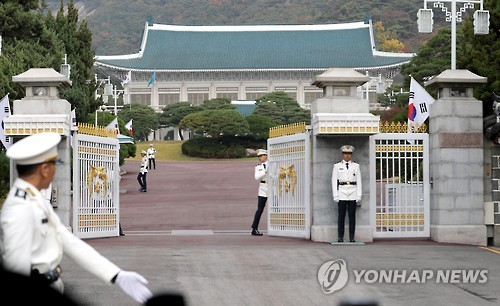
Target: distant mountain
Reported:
[(118, 25)]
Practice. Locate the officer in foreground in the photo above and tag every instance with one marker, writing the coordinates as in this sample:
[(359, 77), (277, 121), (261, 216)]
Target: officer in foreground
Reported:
[(34, 238), (347, 191)]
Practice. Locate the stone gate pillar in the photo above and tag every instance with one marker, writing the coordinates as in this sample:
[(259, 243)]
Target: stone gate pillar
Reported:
[(339, 118), (41, 110), (456, 159)]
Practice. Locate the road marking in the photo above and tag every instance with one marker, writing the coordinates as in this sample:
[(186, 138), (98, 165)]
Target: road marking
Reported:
[(189, 233), (491, 250), (192, 233)]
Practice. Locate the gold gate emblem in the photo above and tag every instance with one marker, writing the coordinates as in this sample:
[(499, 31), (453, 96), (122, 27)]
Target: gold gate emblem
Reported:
[(97, 179), (288, 178)]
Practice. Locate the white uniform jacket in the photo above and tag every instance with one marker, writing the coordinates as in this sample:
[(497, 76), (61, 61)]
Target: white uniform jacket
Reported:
[(151, 153), (144, 164), (346, 183), (34, 237), (261, 176)]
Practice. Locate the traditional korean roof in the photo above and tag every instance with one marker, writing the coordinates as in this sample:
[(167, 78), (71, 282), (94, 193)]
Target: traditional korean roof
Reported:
[(255, 47)]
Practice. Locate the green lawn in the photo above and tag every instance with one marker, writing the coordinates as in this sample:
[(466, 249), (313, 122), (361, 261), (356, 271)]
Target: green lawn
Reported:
[(171, 151)]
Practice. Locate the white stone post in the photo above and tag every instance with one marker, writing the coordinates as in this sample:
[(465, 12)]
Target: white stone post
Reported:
[(339, 118), (456, 159)]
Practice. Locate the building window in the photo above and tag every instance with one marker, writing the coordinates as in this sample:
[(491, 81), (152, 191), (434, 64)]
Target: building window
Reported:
[(254, 95), (230, 95), (168, 99), (144, 99), (197, 98)]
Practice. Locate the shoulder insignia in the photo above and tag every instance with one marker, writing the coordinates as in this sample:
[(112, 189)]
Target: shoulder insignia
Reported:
[(31, 192), (21, 193)]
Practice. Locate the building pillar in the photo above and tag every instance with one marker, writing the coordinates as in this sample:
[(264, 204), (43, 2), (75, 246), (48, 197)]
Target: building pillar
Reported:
[(41, 110), (456, 159), (339, 118)]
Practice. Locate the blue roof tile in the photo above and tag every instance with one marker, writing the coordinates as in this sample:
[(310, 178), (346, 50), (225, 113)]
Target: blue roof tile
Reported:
[(173, 47)]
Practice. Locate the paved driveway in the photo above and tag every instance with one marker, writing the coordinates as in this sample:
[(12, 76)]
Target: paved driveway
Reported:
[(190, 234)]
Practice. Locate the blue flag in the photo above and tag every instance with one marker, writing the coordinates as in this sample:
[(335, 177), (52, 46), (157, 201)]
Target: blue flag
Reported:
[(152, 78)]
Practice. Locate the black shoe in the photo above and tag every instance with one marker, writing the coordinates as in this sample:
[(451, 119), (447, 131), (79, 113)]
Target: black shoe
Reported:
[(352, 240), (255, 232), (340, 240), (122, 234), (143, 190)]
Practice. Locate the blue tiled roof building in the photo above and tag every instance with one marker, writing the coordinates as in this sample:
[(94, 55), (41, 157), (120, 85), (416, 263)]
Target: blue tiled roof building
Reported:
[(196, 63)]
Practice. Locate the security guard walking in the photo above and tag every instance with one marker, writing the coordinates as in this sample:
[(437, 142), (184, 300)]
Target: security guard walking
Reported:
[(347, 191), (35, 239), (143, 172)]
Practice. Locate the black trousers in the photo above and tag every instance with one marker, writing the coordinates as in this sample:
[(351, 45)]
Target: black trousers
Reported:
[(141, 178), (153, 162), (261, 203), (350, 206)]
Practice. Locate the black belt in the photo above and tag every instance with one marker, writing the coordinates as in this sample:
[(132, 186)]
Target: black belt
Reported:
[(49, 277), (263, 181), (347, 183)]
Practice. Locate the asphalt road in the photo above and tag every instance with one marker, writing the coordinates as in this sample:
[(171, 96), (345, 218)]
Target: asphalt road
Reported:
[(190, 235)]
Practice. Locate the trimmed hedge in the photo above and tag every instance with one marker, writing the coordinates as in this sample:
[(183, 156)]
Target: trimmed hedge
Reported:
[(221, 147)]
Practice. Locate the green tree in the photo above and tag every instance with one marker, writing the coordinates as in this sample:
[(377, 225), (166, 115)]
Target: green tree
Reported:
[(218, 103), (216, 123), (144, 119), (173, 114), (259, 126), (27, 42), (281, 109), (77, 40)]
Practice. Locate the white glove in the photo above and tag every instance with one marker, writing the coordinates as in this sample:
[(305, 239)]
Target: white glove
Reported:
[(358, 199), (134, 285), (336, 199)]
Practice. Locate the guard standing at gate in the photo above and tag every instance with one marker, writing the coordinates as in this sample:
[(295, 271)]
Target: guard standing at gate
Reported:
[(34, 238), (260, 174), (347, 191), (151, 156)]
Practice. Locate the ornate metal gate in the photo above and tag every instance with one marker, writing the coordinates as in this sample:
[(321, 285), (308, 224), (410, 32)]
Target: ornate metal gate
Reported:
[(96, 185), (289, 211), (399, 183)]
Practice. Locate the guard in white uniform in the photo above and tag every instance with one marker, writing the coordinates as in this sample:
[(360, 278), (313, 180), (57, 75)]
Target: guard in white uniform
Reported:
[(347, 191), (260, 175), (34, 238), (151, 156), (143, 172)]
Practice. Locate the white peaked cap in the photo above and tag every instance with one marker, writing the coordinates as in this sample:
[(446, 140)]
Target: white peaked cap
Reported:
[(35, 149), (347, 149)]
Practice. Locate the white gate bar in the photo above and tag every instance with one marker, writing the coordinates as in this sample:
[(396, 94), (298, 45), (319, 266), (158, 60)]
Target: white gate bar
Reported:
[(96, 201), (399, 185), (289, 212)]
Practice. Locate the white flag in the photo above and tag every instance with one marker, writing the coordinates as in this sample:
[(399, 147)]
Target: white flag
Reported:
[(128, 126), (4, 113), (113, 125), (74, 124), (127, 78), (418, 105)]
